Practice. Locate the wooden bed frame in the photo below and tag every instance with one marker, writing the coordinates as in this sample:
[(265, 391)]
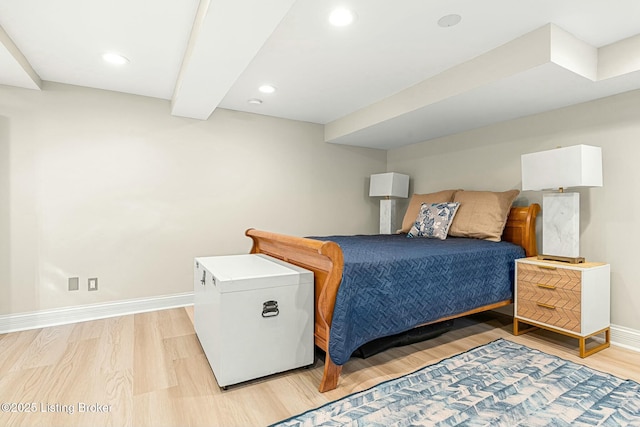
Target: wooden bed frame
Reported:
[(325, 259)]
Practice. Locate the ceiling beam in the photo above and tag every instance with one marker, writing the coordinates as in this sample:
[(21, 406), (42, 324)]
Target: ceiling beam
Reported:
[(546, 50), (524, 53), (226, 36), (15, 70), (619, 58)]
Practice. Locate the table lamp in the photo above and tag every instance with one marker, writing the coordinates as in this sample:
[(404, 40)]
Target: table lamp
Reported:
[(560, 168), (388, 185)]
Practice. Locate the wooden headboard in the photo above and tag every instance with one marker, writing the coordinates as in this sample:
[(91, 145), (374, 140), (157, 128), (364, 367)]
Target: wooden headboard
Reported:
[(521, 228)]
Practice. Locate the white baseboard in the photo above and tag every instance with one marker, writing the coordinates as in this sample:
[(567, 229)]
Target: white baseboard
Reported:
[(625, 337), (83, 313), (620, 335)]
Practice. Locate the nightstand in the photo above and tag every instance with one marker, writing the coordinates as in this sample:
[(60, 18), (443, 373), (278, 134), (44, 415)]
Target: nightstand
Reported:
[(570, 299)]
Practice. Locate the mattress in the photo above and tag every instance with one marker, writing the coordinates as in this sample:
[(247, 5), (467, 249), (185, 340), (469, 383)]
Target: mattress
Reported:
[(391, 283)]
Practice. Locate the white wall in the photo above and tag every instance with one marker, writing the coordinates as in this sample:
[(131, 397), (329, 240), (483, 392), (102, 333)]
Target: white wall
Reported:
[(489, 159), (102, 184), (4, 209)]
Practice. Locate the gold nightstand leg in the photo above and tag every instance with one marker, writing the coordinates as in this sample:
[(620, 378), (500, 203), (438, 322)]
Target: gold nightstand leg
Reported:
[(607, 343), (582, 340), (516, 328)]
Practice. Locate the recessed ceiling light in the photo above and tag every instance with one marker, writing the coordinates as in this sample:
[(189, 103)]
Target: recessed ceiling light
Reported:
[(449, 20), (115, 58), (341, 17), (267, 89), (255, 101)]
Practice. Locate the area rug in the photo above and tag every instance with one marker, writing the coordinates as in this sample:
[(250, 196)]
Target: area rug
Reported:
[(497, 384)]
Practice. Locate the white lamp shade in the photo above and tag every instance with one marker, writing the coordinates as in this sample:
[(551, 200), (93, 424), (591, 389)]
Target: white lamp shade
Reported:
[(390, 184), (575, 166)]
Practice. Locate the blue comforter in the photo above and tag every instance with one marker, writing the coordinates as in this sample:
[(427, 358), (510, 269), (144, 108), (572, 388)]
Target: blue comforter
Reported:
[(391, 283)]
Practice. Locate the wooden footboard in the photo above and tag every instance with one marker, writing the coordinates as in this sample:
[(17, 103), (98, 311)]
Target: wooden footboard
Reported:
[(326, 261)]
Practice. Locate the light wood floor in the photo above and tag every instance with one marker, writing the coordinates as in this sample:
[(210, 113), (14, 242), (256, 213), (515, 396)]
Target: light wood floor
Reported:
[(149, 370)]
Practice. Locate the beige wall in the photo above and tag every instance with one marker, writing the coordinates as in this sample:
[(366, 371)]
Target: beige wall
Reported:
[(4, 210), (102, 184), (489, 159)]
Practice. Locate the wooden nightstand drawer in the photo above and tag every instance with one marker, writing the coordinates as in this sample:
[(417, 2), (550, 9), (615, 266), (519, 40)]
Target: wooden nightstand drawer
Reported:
[(549, 277), (552, 313), (572, 299), (550, 298), (548, 294)]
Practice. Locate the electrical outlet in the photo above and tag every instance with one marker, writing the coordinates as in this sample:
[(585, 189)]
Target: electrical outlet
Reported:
[(93, 284), (74, 283)]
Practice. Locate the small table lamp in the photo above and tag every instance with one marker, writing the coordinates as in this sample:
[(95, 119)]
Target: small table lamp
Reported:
[(575, 166), (388, 185)]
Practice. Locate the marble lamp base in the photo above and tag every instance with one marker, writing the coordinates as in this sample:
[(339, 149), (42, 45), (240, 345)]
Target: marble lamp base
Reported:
[(561, 227), (387, 216)]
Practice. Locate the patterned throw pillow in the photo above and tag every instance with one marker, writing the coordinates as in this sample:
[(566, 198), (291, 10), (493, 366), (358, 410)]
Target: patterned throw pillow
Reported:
[(434, 220)]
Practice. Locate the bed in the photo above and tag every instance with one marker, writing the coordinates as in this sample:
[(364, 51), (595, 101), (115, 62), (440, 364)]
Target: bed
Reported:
[(348, 314)]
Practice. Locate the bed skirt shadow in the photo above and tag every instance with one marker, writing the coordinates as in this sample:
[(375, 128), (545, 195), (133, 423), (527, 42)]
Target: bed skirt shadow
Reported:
[(411, 336)]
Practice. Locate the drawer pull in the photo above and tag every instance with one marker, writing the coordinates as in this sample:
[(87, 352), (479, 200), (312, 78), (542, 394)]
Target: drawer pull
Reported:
[(545, 286), (547, 267), (549, 306)]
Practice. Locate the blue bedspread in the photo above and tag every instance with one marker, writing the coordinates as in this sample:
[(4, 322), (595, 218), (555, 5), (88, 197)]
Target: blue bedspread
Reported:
[(391, 283)]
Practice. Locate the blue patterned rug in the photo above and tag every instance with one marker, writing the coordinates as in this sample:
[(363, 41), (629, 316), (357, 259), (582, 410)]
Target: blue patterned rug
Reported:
[(497, 384)]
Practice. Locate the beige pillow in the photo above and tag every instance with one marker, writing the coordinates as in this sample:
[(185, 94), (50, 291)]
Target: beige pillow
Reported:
[(417, 200), (482, 214)]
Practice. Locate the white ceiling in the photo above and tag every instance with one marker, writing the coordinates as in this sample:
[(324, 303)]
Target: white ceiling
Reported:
[(394, 77)]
